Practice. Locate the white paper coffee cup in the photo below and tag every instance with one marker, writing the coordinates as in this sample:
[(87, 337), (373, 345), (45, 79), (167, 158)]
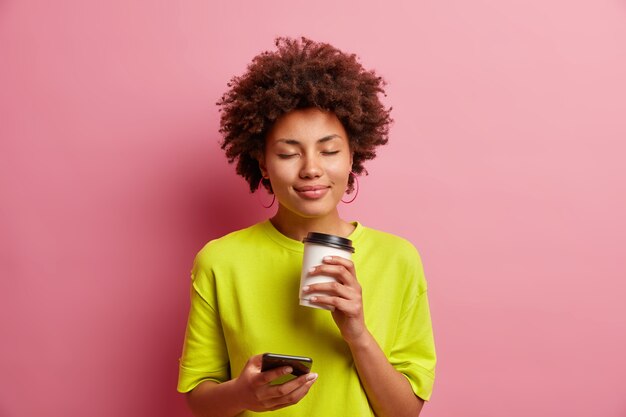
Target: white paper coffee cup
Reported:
[(316, 247)]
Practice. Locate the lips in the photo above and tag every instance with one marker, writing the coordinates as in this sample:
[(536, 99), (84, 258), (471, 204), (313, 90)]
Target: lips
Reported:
[(312, 192)]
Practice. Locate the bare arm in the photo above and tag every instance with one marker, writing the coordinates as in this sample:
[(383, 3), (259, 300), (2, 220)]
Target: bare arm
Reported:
[(212, 399), (250, 391), (388, 391)]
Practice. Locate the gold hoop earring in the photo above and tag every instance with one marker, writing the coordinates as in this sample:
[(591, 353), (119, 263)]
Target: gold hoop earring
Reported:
[(273, 196), (356, 179)]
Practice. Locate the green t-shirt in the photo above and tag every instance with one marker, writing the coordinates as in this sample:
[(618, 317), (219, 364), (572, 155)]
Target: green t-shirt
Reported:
[(244, 301)]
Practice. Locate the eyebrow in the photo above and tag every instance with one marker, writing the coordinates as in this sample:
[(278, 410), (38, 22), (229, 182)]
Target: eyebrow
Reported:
[(297, 142)]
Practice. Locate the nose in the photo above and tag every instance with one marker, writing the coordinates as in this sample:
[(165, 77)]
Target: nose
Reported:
[(311, 167)]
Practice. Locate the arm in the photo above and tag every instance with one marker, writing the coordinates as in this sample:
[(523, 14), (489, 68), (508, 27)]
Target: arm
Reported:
[(204, 348), (249, 391), (388, 391), (212, 399)]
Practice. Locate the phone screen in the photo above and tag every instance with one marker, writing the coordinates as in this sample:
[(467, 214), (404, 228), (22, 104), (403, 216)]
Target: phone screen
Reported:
[(300, 365)]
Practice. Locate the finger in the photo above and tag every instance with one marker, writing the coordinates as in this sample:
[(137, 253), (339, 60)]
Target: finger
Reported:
[(350, 308), (266, 377), (338, 260), (330, 288), (293, 391), (282, 390), (339, 272), (255, 361)]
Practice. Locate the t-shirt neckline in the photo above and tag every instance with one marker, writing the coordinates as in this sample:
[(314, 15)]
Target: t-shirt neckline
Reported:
[(298, 246)]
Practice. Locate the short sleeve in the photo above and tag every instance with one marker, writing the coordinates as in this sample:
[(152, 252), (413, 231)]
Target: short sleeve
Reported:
[(204, 356), (413, 352)]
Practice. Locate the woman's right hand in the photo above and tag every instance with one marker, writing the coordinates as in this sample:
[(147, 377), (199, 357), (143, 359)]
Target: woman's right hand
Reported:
[(257, 393)]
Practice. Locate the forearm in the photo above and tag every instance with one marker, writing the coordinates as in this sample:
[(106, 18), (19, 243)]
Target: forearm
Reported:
[(388, 391), (210, 399)]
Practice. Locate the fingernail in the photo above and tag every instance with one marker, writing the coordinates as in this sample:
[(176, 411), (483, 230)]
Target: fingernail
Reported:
[(313, 298), (327, 258), (288, 370), (305, 288), (311, 377), (311, 269)]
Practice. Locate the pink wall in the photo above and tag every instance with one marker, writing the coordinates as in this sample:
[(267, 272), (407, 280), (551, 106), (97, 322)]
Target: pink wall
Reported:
[(505, 168)]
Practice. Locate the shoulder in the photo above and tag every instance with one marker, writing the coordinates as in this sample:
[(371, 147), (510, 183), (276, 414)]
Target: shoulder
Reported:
[(231, 246), (394, 255), (389, 244)]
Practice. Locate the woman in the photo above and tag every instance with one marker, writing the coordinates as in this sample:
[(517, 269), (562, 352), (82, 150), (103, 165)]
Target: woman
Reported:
[(300, 123)]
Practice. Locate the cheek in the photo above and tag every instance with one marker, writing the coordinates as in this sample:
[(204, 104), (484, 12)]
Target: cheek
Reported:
[(339, 179), (341, 170), (280, 173)]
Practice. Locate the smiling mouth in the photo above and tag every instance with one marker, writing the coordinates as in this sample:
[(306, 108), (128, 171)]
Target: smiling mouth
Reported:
[(312, 192)]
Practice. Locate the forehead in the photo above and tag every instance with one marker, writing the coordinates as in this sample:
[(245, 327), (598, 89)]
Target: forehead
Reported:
[(306, 124)]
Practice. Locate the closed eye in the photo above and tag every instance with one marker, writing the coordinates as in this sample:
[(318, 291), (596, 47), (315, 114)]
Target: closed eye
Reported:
[(329, 152), (287, 155)]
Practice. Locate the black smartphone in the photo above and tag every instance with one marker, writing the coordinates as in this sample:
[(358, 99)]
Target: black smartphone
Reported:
[(300, 365)]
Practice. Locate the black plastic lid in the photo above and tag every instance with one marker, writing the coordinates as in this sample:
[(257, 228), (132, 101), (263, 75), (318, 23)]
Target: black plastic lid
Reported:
[(329, 240)]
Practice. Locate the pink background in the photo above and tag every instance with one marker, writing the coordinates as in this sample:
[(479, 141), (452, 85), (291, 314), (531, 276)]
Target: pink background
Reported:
[(505, 168)]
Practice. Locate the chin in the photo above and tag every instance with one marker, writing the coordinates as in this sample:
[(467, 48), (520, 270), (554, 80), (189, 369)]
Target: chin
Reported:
[(311, 214)]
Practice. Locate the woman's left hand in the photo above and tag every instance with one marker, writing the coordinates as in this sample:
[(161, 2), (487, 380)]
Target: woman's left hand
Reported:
[(344, 295)]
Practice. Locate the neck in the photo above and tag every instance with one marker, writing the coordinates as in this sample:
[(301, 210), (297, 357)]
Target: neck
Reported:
[(297, 227)]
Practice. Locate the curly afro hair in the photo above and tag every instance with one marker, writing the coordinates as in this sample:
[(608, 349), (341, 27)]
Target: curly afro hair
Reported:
[(301, 74)]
